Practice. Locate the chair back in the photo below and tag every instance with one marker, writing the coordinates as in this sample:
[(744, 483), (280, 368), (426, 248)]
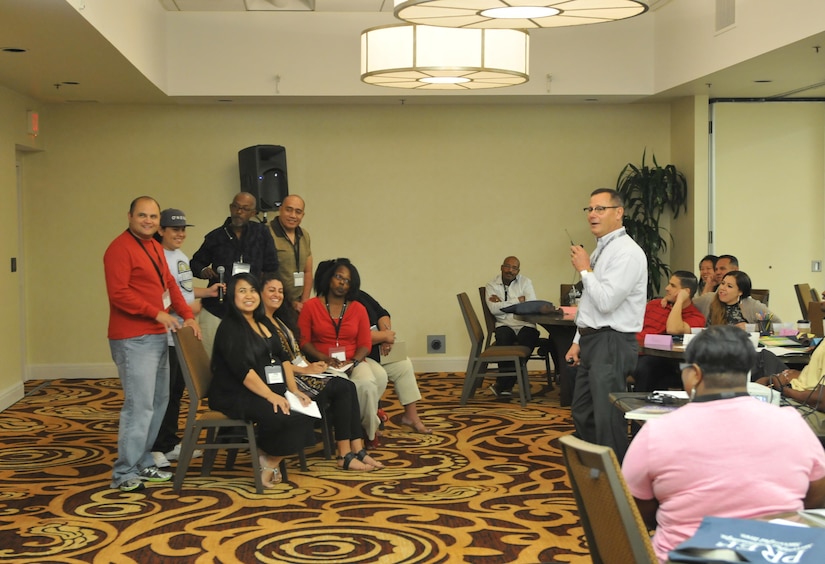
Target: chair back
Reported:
[(612, 523), (473, 326), (804, 296), (763, 296), (194, 363), (489, 318)]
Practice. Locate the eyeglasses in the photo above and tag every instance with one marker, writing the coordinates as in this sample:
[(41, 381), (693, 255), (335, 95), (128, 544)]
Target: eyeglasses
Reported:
[(244, 209), (510, 267), (599, 209), (684, 365), (340, 278)]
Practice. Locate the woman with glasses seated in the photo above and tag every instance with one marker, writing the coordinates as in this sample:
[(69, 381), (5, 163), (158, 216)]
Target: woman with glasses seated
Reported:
[(725, 453), (334, 328), (733, 304), (251, 373), (339, 393), (400, 372)]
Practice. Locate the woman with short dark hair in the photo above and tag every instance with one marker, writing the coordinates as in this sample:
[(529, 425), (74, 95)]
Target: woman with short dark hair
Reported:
[(707, 275), (725, 453)]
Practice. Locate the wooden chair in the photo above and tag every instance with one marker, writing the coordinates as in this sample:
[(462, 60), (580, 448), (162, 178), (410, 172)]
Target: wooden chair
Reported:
[(804, 296), (544, 349), (480, 356), (763, 296), (815, 317), (612, 523), (197, 374)]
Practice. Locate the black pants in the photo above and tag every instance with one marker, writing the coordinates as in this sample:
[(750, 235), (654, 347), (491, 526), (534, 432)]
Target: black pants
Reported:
[(167, 437), (606, 358), (506, 336)]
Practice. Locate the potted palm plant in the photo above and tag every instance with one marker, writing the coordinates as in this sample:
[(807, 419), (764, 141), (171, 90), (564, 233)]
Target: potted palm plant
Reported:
[(648, 191)]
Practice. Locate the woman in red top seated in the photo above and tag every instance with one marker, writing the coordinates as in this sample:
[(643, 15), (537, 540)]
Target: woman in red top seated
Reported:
[(336, 329)]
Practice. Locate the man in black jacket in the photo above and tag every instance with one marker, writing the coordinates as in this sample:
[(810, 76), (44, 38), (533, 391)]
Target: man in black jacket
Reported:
[(239, 245)]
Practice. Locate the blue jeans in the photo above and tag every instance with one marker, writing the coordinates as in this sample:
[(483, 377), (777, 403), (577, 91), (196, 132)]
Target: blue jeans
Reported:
[(143, 368)]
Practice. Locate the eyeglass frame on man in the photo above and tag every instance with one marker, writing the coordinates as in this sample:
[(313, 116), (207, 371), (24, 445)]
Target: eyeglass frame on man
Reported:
[(599, 209), (244, 209), (511, 267)]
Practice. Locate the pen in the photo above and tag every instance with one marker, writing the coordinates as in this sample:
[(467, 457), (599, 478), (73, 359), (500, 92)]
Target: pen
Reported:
[(571, 238)]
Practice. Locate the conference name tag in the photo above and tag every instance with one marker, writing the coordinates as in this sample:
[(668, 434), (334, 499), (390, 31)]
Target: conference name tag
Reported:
[(274, 374)]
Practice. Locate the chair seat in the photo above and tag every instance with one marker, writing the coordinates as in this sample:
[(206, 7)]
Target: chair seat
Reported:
[(480, 357), (505, 351)]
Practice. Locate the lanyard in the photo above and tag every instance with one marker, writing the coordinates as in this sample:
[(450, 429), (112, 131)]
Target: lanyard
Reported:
[(267, 342), (157, 268), (594, 258), (340, 321), (296, 248), (287, 337)]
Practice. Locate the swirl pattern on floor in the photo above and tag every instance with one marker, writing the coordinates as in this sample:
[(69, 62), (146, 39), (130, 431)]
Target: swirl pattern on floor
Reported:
[(488, 485)]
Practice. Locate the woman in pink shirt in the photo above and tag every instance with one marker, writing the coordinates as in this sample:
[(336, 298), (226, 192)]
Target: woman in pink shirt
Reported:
[(725, 454)]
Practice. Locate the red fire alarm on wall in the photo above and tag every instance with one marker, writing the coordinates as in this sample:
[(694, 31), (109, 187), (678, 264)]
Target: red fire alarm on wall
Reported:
[(33, 123)]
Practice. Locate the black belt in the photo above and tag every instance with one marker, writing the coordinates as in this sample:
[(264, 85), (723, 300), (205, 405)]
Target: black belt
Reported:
[(585, 331)]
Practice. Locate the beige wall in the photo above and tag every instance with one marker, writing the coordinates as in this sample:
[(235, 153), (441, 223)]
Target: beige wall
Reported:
[(689, 118), (769, 194), (425, 200), (13, 139)]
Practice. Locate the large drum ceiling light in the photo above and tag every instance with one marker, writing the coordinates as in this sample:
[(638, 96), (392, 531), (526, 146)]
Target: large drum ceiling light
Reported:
[(516, 14), (439, 58)]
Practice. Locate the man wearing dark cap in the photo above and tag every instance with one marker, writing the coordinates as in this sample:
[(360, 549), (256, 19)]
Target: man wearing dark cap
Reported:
[(172, 234), (239, 245)]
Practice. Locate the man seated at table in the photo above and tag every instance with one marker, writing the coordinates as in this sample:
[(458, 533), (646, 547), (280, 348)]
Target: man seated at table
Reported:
[(674, 314), (510, 288)]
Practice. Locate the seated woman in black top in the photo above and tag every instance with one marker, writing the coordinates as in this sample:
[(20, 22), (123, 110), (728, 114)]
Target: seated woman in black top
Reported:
[(340, 393), (251, 375)]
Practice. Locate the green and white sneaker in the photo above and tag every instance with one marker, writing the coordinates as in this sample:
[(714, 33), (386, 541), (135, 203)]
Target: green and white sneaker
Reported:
[(153, 474), (131, 485)]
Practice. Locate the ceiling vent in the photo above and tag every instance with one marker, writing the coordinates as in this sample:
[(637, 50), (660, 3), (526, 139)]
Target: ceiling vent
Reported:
[(725, 14)]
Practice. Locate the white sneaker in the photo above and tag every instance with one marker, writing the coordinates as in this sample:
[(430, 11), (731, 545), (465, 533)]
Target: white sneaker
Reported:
[(174, 454), (160, 460)]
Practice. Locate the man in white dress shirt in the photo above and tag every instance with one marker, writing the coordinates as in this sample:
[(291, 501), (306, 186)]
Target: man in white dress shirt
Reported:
[(611, 312), (510, 288)]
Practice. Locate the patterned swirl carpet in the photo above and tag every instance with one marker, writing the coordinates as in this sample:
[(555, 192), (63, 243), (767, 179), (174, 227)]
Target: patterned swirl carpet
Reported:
[(489, 485)]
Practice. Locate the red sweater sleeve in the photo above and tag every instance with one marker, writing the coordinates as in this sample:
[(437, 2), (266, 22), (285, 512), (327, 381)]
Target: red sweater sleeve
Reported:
[(134, 288)]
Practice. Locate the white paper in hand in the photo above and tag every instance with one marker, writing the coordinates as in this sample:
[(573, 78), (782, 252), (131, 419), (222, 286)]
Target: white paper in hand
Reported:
[(295, 405)]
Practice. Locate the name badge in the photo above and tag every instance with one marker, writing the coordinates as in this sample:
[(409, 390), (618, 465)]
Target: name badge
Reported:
[(274, 374), (298, 278), (167, 299), (338, 353), (238, 267)]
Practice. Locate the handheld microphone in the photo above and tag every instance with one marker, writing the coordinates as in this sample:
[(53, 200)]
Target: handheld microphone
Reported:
[(221, 270)]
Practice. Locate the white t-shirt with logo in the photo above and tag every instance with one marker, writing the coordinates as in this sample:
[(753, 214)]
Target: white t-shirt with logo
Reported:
[(179, 267)]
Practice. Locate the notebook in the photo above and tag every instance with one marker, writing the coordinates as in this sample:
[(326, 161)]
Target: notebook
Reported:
[(398, 352)]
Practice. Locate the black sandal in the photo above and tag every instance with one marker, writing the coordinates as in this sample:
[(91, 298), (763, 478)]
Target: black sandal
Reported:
[(362, 454), (349, 457)]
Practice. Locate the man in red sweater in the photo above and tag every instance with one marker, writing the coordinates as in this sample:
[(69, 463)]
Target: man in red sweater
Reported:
[(674, 314), (141, 289)]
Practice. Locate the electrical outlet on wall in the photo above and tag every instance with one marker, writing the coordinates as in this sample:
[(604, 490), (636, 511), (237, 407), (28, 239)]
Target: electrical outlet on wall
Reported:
[(436, 344)]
